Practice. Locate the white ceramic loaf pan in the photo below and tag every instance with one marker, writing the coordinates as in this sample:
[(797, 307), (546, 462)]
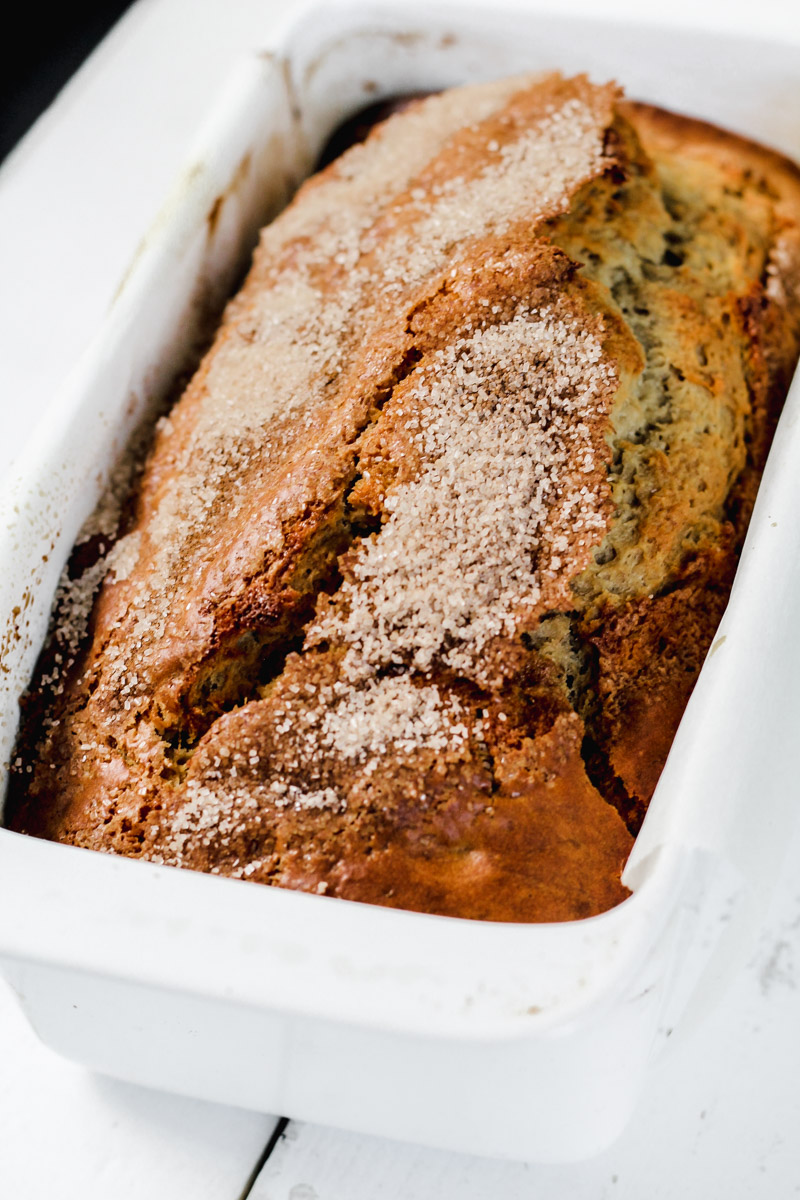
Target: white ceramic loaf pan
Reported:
[(522, 1041)]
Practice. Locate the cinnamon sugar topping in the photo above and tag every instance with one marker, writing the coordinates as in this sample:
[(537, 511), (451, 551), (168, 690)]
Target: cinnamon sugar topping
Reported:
[(326, 274), (390, 712), (501, 506)]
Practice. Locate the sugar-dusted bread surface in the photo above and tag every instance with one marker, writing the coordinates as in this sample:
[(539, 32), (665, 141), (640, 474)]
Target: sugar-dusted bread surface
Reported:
[(423, 565)]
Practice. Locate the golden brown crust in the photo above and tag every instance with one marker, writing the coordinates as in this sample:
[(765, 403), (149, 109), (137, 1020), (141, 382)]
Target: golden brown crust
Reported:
[(426, 560), (664, 132)]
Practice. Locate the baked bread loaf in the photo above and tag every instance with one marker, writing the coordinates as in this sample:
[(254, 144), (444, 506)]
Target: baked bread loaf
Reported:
[(423, 565)]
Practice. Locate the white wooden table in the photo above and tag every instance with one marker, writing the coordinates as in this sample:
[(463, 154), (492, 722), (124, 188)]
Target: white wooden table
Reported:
[(720, 1116)]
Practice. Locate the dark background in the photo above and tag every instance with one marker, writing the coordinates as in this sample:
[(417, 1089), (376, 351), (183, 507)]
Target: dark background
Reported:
[(43, 47)]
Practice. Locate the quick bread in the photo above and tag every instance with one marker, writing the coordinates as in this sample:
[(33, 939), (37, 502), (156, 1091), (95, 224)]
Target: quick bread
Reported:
[(423, 565)]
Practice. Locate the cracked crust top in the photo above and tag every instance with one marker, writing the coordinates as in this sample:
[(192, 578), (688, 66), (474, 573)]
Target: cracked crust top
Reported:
[(423, 565)]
